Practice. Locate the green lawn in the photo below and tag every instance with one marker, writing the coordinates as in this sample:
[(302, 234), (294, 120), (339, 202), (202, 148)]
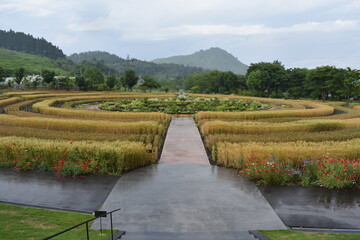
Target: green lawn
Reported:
[(17, 222), (295, 235)]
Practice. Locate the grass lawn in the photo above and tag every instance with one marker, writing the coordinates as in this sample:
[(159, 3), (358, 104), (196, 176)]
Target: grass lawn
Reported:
[(17, 222), (295, 235)]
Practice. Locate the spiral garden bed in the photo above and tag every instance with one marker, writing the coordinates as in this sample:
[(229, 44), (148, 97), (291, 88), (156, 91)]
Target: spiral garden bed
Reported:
[(301, 142)]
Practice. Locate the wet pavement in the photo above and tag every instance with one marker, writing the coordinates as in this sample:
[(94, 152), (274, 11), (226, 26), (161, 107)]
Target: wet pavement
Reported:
[(315, 207), (48, 191), (189, 198), (184, 194), (183, 143)]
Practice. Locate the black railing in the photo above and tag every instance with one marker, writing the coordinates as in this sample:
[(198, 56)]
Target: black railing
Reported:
[(98, 214)]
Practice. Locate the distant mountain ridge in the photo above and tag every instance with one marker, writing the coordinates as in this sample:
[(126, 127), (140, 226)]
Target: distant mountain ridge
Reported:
[(164, 71), (26, 43), (211, 59)]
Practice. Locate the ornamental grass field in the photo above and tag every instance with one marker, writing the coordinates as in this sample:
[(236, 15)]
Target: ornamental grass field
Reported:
[(38, 134), (310, 143)]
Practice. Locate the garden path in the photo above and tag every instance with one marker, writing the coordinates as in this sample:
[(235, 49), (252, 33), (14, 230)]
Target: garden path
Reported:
[(185, 195), (183, 143)]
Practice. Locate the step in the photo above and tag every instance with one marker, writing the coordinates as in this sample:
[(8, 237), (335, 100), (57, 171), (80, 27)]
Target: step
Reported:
[(239, 235)]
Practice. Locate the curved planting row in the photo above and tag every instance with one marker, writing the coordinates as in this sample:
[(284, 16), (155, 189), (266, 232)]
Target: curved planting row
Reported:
[(310, 146), (46, 107), (77, 142), (234, 127)]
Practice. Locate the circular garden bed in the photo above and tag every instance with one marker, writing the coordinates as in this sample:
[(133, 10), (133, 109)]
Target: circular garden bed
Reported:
[(182, 105)]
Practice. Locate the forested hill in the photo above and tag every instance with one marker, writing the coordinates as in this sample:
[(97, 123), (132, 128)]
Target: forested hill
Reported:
[(212, 59), (26, 43), (159, 71)]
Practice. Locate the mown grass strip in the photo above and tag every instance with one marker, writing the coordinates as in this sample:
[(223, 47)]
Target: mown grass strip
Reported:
[(18, 222), (296, 235)]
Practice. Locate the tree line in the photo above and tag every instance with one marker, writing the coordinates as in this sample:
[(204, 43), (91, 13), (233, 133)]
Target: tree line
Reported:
[(21, 42), (91, 79), (161, 72), (271, 79)]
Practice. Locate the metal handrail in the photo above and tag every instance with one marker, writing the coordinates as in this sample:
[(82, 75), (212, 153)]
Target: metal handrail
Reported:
[(87, 226)]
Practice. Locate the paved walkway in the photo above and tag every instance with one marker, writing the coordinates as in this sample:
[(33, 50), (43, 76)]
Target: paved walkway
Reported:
[(188, 195), (183, 143)]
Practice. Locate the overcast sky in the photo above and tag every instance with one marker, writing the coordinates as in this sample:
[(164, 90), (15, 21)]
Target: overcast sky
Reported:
[(299, 33)]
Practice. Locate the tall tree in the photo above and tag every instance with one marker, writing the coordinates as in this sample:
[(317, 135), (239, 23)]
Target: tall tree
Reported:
[(150, 83), (80, 82), (272, 76), (129, 79), (321, 81), (2, 74), (19, 75), (94, 79), (48, 76), (350, 85), (296, 78), (111, 81)]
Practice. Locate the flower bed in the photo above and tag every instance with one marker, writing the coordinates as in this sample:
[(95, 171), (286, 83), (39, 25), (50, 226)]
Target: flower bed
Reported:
[(324, 172), (182, 105), (74, 158)]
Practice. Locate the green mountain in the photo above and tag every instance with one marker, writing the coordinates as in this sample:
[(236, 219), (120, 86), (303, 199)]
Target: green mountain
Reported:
[(26, 43), (10, 60), (213, 58), (163, 71)]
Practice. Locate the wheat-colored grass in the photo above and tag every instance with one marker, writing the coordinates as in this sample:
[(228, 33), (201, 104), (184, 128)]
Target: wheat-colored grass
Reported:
[(110, 158), (341, 135), (235, 154), (9, 101), (148, 127), (223, 127)]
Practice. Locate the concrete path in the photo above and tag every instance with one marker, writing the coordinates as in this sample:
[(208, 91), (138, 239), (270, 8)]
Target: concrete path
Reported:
[(188, 195), (183, 143)]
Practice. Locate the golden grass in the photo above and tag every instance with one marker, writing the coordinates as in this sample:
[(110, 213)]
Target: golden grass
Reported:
[(23, 93), (9, 101), (341, 112), (76, 136), (320, 110), (53, 95), (340, 135), (218, 127), (111, 158), (45, 107), (235, 154), (17, 106), (124, 138), (292, 103), (357, 107), (148, 127)]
